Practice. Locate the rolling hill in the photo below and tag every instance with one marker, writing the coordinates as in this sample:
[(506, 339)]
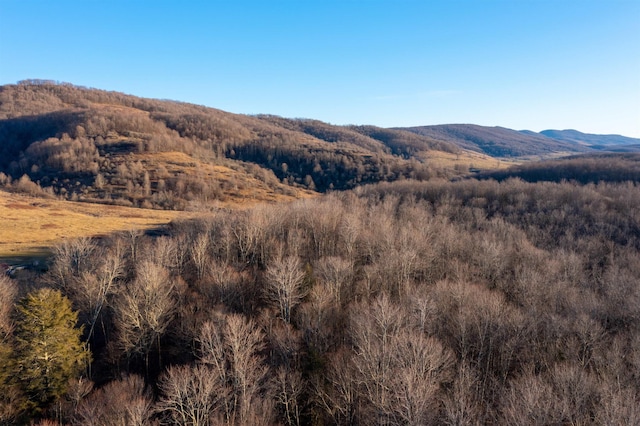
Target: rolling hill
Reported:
[(597, 141), (498, 141), (93, 145), (524, 144)]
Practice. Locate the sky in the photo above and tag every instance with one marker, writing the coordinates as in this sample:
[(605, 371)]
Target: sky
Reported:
[(521, 64)]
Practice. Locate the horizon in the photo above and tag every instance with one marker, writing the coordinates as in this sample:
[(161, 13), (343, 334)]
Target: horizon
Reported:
[(527, 65)]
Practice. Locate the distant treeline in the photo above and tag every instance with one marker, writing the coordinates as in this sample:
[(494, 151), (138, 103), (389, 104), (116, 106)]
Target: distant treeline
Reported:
[(582, 169)]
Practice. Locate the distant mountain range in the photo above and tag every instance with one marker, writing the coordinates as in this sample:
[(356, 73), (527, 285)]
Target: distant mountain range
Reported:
[(590, 139), (502, 142)]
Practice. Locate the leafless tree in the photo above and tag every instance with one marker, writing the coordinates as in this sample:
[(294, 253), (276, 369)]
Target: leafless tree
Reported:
[(92, 289), (165, 251), (461, 405), (71, 258), (530, 401), (373, 329), (421, 364), (230, 346), (337, 275), (243, 343), (189, 395), (399, 369), (143, 310), (350, 230), (338, 392), (619, 407), (223, 283), (288, 386), (121, 402), (199, 253), (283, 288), (319, 319)]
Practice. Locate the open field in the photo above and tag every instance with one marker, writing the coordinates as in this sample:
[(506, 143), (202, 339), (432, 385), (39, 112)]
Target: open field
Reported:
[(465, 160), (30, 225), (236, 188)]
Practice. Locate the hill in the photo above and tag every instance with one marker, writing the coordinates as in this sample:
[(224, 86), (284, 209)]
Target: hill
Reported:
[(94, 145), (590, 139), (498, 141)]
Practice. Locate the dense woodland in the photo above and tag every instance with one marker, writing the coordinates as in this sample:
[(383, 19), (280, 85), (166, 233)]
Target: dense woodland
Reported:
[(408, 303)]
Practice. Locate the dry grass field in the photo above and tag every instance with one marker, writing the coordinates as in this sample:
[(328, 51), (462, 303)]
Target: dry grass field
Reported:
[(465, 161), (236, 187), (29, 224)]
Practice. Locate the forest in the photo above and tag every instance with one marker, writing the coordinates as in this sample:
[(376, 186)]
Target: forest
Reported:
[(407, 303), (381, 288)]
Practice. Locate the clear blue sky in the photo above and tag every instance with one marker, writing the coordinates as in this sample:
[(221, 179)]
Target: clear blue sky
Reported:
[(523, 64)]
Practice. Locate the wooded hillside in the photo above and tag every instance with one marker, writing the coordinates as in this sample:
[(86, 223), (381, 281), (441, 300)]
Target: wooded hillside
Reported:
[(93, 145)]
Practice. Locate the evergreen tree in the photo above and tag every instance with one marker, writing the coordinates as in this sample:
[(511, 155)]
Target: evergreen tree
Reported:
[(48, 351)]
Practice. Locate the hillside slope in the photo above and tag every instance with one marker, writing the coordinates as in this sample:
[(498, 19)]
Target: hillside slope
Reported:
[(93, 145)]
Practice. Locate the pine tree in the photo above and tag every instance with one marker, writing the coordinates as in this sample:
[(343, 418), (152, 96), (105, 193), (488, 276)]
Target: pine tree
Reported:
[(48, 351)]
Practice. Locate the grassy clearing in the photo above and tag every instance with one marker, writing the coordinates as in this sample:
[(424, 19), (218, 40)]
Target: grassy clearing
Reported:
[(29, 226), (237, 188), (465, 160)]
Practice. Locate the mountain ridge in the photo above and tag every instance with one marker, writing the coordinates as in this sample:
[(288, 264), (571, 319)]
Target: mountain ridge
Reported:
[(502, 142), (571, 135)]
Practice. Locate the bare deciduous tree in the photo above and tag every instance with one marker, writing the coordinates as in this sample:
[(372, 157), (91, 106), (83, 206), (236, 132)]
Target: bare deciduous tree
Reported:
[(91, 290), (71, 258), (189, 395), (337, 275), (399, 369), (121, 402), (199, 253), (283, 288), (143, 310), (619, 407), (460, 405), (421, 364), (288, 386), (230, 346), (529, 401), (338, 394)]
